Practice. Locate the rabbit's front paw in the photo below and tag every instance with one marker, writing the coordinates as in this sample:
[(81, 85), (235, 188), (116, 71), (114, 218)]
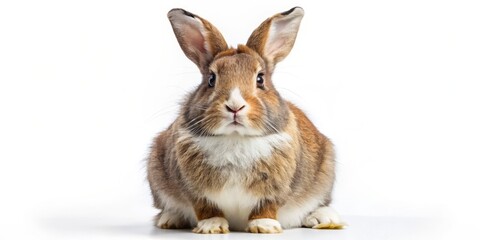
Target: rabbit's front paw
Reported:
[(264, 225), (212, 225)]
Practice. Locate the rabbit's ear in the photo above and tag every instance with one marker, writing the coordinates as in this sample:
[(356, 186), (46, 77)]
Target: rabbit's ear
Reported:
[(274, 38), (199, 39)]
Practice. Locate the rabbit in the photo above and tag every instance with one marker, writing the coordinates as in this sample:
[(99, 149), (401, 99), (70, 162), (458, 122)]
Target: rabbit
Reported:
[(238, 156)]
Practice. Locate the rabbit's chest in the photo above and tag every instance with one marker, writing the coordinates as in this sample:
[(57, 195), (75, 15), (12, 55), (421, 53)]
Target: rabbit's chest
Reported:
[(233, 158), (239, 151)]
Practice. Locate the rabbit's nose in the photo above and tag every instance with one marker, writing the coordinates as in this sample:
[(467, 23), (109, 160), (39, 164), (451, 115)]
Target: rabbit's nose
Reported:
[(234, 109)]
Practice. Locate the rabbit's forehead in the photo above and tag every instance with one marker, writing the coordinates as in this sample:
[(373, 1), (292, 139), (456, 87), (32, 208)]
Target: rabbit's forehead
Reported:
[(235, 64)]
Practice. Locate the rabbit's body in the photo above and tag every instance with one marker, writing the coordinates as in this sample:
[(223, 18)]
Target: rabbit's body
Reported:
[(237, 172), (239, 156)]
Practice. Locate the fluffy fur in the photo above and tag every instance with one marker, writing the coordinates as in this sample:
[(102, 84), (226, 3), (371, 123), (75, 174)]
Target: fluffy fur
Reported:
[(239, 156)]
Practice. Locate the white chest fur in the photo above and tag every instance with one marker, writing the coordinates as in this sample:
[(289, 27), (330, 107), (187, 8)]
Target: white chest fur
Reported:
[(239, 151)]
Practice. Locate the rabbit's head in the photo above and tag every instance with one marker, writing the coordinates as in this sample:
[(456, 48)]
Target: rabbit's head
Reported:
[(236, 95)]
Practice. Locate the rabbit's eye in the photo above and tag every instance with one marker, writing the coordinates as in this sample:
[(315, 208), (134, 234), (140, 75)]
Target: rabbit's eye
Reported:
[(211, 80), (260, 80)]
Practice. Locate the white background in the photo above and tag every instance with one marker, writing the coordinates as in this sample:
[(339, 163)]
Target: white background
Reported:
[(86, 85)]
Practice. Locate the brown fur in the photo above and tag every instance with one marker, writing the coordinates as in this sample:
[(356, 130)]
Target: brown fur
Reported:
[(205, 209), (178, 174), (266, 209)]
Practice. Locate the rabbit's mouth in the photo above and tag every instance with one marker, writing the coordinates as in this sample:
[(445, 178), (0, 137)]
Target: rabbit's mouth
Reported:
[(236, 127), (236, 123), (235, 120)]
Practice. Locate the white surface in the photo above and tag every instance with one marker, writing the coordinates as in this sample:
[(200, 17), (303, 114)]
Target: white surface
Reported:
[(385, 228), (85, 85)]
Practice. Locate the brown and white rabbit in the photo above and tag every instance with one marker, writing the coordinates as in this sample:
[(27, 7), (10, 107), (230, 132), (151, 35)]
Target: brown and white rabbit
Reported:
[(239, 156)]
